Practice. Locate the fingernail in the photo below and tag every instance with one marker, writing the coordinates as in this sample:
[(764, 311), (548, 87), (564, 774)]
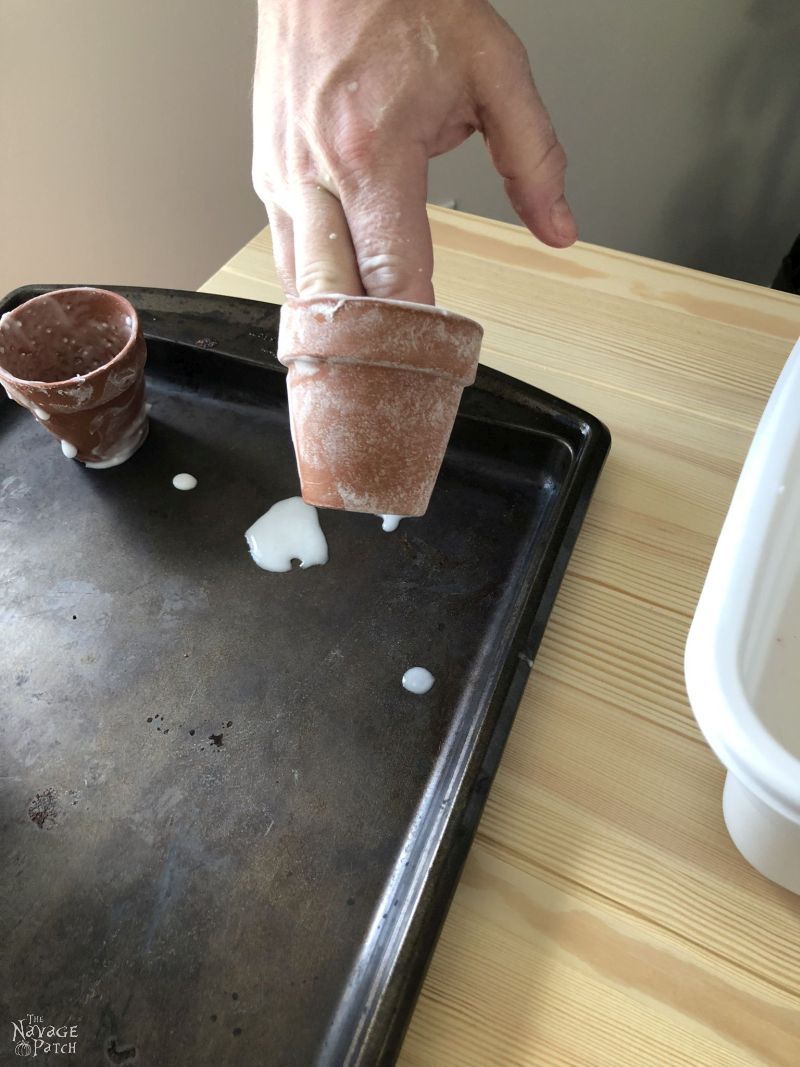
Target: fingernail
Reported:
[(563, 220)]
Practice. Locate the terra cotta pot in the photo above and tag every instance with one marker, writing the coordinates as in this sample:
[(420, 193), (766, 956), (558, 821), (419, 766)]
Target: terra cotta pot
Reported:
[(374, 387), (75, 358)]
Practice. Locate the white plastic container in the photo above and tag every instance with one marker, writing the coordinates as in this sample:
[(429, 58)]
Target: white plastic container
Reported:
[(743, 651)]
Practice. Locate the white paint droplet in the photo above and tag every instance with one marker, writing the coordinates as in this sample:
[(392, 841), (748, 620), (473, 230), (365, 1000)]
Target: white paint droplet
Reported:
[(70, 451), (418, 680), (391, 522), (42, 416), (184, 481), (331, 236), (289, 530), (352, 86)]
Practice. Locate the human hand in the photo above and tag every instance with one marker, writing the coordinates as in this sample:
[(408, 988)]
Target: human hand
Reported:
[(352, 98)]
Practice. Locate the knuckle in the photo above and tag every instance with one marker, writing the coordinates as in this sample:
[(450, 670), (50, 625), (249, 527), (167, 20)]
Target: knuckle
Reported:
[(261, 185), (287, 279), (505, 49), (518, 52), (316, 276), (265, 179), (553, 161), (384, 273), (357, 153)]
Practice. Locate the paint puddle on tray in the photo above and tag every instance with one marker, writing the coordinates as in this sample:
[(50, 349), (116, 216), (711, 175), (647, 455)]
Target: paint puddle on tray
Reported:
[(289, 530), (418, 680)]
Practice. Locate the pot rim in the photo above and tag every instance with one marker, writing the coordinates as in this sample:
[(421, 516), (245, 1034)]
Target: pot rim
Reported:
[(92, 375), (431, 309), (454, 358), (371, 360)]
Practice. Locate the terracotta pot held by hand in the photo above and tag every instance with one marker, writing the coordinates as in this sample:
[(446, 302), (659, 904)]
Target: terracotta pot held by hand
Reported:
[(374, 387)]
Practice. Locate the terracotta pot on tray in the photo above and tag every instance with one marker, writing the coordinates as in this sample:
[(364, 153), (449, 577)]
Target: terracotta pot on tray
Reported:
[(374, 387), (75, 358)]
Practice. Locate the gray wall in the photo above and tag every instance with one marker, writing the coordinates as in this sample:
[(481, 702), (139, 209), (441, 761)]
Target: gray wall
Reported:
[(681, 121), (125, 133)]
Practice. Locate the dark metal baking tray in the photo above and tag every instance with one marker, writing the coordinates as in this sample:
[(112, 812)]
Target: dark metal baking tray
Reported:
[(229, 836)]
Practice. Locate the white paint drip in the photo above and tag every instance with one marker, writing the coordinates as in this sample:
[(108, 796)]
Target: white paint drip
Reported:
[(289, 530), (429, 38), (127, 446), (418, 680), (305, 368), (391, 522), (42, 416), (120, 457), (184, 481), (329, 311), (70, 451)]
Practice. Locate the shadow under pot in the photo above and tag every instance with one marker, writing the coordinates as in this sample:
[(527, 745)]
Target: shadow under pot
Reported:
[(75, 358)]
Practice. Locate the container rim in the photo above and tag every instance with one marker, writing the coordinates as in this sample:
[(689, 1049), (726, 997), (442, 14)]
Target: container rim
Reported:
[(724, 712)]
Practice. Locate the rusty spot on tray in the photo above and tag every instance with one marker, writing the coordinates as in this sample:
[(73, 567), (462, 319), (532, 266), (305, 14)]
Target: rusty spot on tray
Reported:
[(120, 1054), (42, 809)]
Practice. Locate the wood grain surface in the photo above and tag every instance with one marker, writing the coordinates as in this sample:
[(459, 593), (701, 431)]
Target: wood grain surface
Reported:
[(604, 916)]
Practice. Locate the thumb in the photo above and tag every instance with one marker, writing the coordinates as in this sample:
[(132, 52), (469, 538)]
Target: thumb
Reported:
[(525, 150)]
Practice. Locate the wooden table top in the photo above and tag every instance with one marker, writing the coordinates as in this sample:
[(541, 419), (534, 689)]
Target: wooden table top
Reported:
[(604, 917)]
